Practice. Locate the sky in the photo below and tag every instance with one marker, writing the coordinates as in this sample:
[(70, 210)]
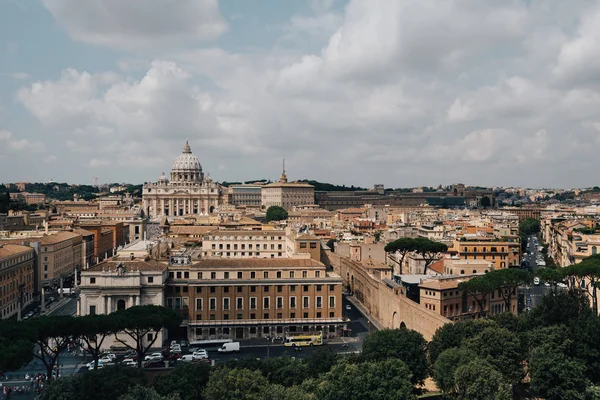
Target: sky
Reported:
[(400, 92)]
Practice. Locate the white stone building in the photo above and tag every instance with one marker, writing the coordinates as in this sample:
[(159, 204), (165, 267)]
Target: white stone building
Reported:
[(188, 192)]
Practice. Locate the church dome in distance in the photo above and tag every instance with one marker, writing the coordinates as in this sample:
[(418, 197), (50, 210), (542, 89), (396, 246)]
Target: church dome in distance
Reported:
[(186, 167)]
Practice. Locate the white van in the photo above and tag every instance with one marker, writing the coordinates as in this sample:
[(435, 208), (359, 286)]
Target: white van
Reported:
[(186, 358), (536, 281), (230, 347)]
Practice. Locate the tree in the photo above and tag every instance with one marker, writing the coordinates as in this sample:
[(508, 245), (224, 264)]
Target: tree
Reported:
[(93, 329), (446, 364), (402, 246), (453, 335), (276, 213), (502, 349), (146, 393), (109, 382), (377, 236), (389, 379), (556, 376), (588, 269), (429, 250), (16, 351), (479, 287), (506, 282), (478, 380), (404, 344), (50, 334), (485, 202), (278, 392), (236, 384), (188, 381), (140, 321)]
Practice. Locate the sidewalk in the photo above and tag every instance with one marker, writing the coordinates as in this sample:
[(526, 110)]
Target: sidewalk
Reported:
[(364, 311)]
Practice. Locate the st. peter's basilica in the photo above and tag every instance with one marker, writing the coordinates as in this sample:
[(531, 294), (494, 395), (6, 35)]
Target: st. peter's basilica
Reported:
[(188, 192)]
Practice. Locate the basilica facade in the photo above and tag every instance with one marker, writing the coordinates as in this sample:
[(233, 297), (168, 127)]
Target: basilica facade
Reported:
[(188, 192)]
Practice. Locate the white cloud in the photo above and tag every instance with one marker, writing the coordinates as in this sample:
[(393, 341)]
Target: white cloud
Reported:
[(51, 158), (9, 142), (402, 92), (137, 24)]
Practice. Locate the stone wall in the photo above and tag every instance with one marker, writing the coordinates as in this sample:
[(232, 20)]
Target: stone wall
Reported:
[(390, 307)]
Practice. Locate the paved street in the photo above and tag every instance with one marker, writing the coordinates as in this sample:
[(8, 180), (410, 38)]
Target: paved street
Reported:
[(533, 293)]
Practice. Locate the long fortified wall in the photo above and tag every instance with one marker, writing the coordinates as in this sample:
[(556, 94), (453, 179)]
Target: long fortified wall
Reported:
[(389, 306)]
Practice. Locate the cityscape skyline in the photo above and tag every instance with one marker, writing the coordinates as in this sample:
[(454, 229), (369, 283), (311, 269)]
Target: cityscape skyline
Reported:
[(337, 88)]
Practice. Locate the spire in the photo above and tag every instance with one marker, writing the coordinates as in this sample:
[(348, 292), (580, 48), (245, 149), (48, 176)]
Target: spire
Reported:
[(283, 177), (186, 148)]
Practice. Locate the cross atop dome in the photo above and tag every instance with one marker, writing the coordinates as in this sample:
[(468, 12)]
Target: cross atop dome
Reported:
[(187, 148)]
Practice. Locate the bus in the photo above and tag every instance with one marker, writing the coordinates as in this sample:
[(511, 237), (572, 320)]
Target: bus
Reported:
[(208, 345), (315, 339)]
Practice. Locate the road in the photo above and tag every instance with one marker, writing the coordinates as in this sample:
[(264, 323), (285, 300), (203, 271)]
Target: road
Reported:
[(69, 308), (534, 293)]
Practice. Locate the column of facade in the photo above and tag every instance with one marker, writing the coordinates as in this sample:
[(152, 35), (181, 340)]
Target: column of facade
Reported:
[(83, 305), (137, 300), (103, 299), (110, 306), (131, 302), (172, 207)]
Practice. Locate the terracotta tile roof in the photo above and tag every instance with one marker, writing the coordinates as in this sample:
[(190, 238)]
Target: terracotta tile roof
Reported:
[(443, 284), (307, 237), (130, 265), (58, 237), (8, 250), (236, 232), (257, 262), (438, 266), (190, 230)]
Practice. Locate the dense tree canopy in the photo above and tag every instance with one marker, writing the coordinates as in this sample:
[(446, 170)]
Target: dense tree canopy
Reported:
[(276, 213)]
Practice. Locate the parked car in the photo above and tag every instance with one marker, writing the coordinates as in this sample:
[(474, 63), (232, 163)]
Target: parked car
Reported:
[(131, 364), (110, 355), (200, 355), (154, 357), (186, 358), (127, 360), (90, 365), (536, 281), (348, 307)]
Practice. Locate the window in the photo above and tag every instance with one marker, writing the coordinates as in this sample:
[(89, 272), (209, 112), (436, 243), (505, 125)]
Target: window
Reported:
[(226, 289), (253, 303), (171, 275), (305, 288), (213, 275), (266, 288), (305, 274), (239, 303), (120, 304), (317, 274), (252, 289), (213, 289), (292, 288), (92, 310), (239, 316), (279, 274), (226, 275), (178, 274), (331, 288), (302, 245), (226, 303), (213, 303), (319, 288), (150, 279), (293, 315), (305, 302), (279, 288), (92, 280), (266, 316), (279, 302), (239, 275), (253, 316), (150, 336), (186, 275), (319, 302), (198, 289), (331, 301), (279, 315), (265, 302), (293, 302), (305, 315), (199, 275), (318, 315), (239, 289), (198, 304), (292, 273), (252, 275)]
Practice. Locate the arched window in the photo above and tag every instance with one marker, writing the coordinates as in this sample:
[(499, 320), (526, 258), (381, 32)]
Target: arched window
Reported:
[(594, 250), (462, 271), (474, 271), (120, 305)]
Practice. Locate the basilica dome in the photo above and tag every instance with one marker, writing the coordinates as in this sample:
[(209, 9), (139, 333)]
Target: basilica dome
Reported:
[(186, 167)]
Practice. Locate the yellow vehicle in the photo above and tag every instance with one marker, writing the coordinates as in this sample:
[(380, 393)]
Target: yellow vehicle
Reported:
[(315, 339)]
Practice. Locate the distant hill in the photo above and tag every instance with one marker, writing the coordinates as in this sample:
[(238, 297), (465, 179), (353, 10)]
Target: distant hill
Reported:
[(329, 187)]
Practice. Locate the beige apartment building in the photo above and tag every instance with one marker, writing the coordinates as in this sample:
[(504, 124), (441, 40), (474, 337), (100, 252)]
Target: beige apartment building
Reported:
[(60, 255), (441, 294), (503, 254), (287, 194), (245, 244), (251, 298), (17, 265)]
